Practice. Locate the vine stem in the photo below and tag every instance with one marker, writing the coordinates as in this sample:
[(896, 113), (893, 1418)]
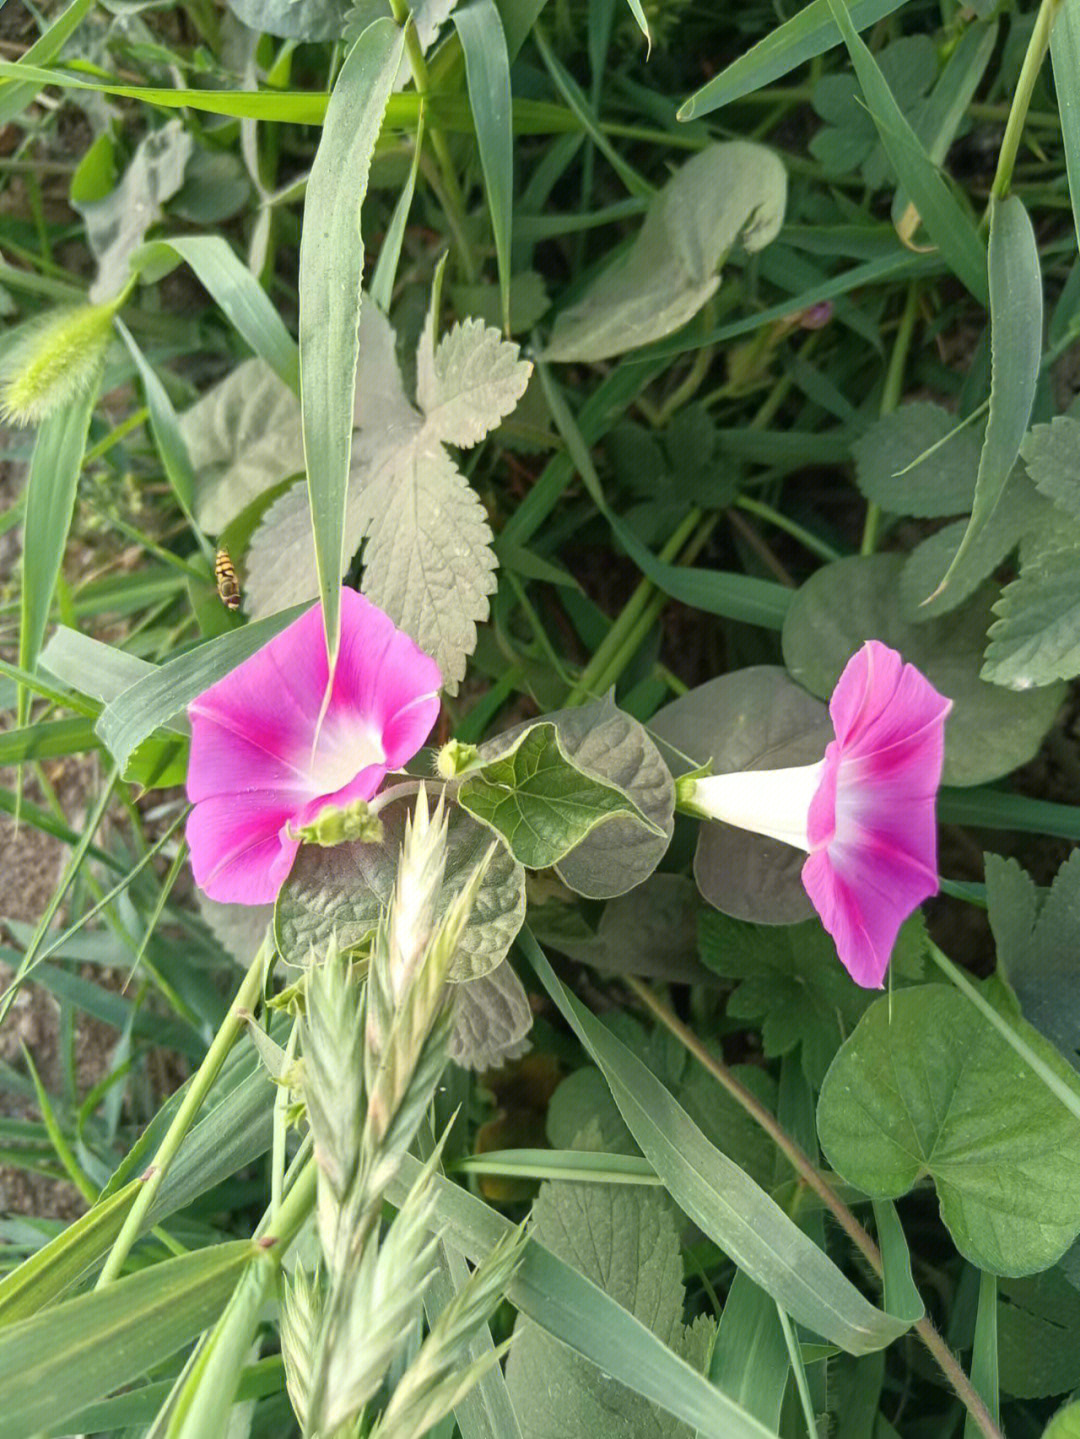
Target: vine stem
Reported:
[(1025, 85), (246, 998), (455, 200), (813, 1179)]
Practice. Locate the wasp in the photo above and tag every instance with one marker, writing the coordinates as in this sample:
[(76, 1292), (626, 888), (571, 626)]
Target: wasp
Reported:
[(228, 586)]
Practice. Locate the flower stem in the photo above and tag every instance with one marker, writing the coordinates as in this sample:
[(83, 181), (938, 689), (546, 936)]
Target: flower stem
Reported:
[(890, 398), (455, 200), (813, 1179), (1025, 85), (246, 998)]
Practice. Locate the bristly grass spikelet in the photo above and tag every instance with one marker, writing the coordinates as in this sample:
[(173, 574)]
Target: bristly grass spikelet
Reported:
[(54, 361), (301, 1320), (440, 1375)]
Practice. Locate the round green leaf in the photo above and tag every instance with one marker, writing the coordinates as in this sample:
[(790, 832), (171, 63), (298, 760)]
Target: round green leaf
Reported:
[(989, 731), (926, 1086), (754, 719), (891, 470), (345, 889)]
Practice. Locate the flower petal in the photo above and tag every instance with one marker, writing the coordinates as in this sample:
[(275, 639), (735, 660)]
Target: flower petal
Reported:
[(879, 700), (239, 854)]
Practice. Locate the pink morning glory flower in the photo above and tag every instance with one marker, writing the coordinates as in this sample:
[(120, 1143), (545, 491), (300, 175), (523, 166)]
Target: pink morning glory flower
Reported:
[(262, 764), (864, 813)]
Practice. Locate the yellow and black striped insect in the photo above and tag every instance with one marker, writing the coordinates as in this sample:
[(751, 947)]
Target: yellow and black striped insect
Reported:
[(228, 586)]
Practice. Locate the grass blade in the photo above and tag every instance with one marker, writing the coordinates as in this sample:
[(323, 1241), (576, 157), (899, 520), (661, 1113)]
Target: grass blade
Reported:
[(751, 1361), (1065, 58), (331, 268), (720, 1197), (811, 32), (947, 222), (984, 1353), (15, 95), (50, 503), (487, 70), (1016, 323)]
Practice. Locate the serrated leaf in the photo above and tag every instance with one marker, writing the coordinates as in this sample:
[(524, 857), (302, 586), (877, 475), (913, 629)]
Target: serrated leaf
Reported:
[(116, 224), (793, 985), (926, 1085), (1052, 456), (492, 1019), (1038, 1323), (1038, 946), (539, 801), (752, 719), (624, 1239), (989, 732), (942, 483), (730, 192), (1036, 638), (243, 436), (345, 889), (476, 380)]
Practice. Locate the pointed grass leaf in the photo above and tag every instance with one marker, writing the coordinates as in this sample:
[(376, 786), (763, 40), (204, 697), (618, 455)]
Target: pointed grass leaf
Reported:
[(926, 1086), (576, 1311), (1065, 58), (345, 889), (729, 192), (1016, 326), (50, 501), (752, 719), (331, 268), (16, 95), (946, 221), (487, 70), (719, 1197), (802, 37), (751, 1362), (625, 1240), (75, 1352), (159, 697), (236, 290), (989, 732)]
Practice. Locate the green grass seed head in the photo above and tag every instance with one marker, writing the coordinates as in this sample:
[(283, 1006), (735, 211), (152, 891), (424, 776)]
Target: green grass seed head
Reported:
[(56, 360)]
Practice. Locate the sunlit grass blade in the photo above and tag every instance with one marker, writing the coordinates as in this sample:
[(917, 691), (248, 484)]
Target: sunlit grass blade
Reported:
[(487, 69), (811, 32), (581, 1315), (721, 1198), (331, 269), (1016, 323), (61, 1360), (381, 286), (242, 299), (947, 222), (15, 95)]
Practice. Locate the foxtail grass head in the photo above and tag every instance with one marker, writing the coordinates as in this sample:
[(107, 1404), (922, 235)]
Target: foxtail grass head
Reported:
[(54, 362)]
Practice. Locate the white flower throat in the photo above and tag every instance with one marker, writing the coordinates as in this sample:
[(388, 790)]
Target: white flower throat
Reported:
[(773, 802)]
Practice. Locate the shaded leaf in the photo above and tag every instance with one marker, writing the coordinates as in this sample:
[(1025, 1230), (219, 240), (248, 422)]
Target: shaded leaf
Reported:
[(942, 483), (1038, 1323), (492, 1019), (1052, 456), (1036, 638)]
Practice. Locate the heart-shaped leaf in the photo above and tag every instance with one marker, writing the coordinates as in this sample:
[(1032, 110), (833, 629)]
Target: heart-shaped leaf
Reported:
[(345, 889), (491, 1019)]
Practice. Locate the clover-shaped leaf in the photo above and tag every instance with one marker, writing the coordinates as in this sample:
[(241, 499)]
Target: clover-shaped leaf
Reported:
[(926, 1086), (345, 889)]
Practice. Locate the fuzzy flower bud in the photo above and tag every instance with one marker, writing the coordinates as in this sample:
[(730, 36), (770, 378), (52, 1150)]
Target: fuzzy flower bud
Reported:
[(419, 883), (55, 361)]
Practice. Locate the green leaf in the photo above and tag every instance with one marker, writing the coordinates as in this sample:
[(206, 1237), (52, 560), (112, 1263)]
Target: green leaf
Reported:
[(895, 468), (989, 732), (236, 290), (577, 1312), (1065, 1424), (752, 719), (1038, 946), (1036, 638), (309, 20), (50, 501), (624, 1239), (1052, 456), (720, 1198), (793, 985), (331, 268), (15, 94), (751, 1362), (538, 801), (926, 1086), (1039, 1335), (159, 697), (595, 783), (75, 1352), (346, 889), (984, 1353), (811, 32), (1016, 323), (729, 192), (487, 69), (492, 1018), (947, 222), (1065, 57)]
